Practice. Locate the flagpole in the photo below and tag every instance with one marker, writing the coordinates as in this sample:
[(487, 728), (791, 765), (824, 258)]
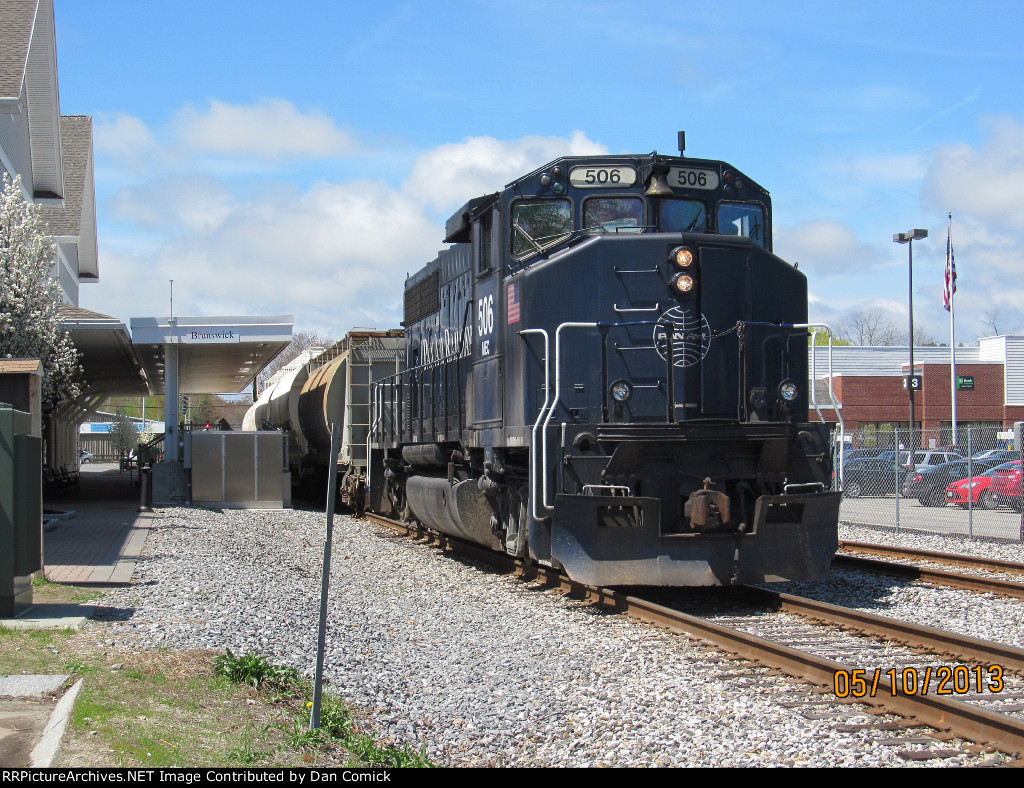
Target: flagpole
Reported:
[(951, 287)]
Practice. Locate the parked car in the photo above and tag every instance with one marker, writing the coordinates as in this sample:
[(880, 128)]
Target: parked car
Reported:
[(929, 484), (1005, 486), (927, 458), (872, 476), (859, 454), (85, 456), (976, 490), (1003, 455)]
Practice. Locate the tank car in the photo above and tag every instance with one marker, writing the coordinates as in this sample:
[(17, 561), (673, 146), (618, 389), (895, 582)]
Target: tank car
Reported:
[(319, 389), (607, 373)]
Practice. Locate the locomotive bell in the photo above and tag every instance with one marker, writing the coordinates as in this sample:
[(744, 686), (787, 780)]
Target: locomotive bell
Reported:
[(659, 185)]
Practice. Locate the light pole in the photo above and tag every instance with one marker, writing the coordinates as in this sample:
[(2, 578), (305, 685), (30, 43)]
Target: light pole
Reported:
[(910, 381)]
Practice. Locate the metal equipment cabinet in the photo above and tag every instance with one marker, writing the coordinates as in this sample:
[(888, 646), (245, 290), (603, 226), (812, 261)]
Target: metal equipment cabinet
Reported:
[(21, 510)]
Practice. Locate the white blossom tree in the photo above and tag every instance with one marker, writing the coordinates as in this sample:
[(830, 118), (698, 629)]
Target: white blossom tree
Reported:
[(123, 434), (30, 322)]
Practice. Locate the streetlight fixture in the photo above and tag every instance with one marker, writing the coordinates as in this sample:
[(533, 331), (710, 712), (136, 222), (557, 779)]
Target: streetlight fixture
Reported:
[(911, 381)]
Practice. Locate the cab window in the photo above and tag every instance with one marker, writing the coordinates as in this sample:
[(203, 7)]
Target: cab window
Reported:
[(742, 219), (538, 224), (682, 216), (613, 215), (484, 262)]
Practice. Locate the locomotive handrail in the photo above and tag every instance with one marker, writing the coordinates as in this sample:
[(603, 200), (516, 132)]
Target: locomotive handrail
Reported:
[(614, 489), (558, 395), (547, 410), (655, 308), (816, 328), (540, 415)]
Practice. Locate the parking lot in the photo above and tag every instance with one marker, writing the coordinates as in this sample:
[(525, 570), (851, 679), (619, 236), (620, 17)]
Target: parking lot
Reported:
[(1002, 523)]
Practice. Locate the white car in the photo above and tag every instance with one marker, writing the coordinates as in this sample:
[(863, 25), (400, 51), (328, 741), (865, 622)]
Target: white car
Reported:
[(926, 458), (85, 456)]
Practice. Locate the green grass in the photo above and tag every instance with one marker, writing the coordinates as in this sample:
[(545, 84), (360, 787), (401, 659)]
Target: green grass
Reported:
[(337, 726), (196, 708)]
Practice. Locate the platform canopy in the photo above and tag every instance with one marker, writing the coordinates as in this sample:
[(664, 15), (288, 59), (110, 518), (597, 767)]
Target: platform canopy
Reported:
[(110, 365), (214, 354)]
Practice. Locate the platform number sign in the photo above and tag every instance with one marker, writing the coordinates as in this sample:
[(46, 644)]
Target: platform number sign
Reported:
[(485, 323), (913, 382)]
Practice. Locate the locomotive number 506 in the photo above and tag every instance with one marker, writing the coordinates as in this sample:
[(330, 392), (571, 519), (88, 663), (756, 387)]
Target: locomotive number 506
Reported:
[(485, 323)]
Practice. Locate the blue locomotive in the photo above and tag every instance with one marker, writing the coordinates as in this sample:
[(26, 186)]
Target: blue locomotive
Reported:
[(607, 373)]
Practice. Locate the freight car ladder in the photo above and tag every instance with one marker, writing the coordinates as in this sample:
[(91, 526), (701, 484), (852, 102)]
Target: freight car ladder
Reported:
[(369, 358)]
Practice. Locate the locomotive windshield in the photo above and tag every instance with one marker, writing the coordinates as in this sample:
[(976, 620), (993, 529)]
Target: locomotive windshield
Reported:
[(687, 216), (742, 219), (538, 224), (613, 215)]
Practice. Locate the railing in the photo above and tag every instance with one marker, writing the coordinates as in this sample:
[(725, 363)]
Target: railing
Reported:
[(551, 403)]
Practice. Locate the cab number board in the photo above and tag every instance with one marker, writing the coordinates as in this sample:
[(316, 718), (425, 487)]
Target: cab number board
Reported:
[(601, 177), (690, 178)]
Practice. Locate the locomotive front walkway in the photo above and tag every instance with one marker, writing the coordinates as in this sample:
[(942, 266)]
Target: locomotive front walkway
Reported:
[(101, 541)]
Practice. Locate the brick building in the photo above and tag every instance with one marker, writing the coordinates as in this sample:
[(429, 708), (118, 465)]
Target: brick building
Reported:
[(868, 385)]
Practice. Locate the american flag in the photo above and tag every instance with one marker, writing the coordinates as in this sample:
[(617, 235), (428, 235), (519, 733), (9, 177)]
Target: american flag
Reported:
[(949, 287), (512, 302)]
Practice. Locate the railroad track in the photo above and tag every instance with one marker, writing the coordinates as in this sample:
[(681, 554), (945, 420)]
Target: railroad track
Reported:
[(962, 687), (980, 579)]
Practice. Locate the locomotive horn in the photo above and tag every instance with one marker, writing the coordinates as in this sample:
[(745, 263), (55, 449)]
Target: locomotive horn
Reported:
[(658, 186)]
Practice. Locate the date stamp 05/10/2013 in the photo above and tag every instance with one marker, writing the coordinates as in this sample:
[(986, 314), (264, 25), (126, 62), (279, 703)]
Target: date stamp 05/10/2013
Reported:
[(948, 680)]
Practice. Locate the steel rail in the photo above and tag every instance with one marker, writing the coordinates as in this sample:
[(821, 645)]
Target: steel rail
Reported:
[(952, 559), (930, 639), (984, 585), (941, 712)]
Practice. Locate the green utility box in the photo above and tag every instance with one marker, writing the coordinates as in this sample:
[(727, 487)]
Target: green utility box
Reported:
[(21, 510)]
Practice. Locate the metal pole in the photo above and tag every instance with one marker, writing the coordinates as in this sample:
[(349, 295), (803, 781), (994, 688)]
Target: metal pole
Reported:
[(910, 384), (970, 489), (896, 469), (321, 643)]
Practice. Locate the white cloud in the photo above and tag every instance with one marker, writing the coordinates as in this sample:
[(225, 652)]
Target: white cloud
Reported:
[(126, 141), (270, 128), (335, 256), (985, 183), (194, 203), (447, 176), (824, 247)]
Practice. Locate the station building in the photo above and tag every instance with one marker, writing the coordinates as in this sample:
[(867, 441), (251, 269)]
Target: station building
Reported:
[(867, 383), (53, 155)]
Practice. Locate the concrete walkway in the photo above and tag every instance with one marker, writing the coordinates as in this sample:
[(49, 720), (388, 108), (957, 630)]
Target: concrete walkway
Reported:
[(100, 535)]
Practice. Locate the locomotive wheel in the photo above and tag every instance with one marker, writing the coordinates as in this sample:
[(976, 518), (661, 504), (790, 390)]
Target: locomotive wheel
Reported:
[(989, 500), (853, 490)]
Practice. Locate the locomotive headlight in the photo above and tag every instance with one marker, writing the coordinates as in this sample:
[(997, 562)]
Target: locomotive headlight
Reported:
[(788, 390), (682, 256), (682, 283), (621, 391)]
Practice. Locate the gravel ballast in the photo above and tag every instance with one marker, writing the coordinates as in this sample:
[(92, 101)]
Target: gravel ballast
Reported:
[(475, 667)]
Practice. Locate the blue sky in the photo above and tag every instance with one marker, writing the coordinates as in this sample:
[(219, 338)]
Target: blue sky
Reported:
[(302, 158)]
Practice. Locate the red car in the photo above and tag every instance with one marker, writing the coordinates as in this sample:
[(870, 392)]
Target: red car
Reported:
[(978, 489), (1006, 485)]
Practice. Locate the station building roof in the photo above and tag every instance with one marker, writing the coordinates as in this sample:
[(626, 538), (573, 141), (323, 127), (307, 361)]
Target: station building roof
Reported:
[(109, 362), (215, 354)]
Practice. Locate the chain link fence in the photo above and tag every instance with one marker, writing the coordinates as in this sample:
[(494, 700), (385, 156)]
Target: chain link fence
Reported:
[(970, 485)]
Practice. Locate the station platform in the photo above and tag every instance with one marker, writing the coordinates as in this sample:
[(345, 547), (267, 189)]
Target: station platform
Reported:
[(95, 535)]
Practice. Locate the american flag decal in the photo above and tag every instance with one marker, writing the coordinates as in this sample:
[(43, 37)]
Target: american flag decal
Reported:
[(512, 303)]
